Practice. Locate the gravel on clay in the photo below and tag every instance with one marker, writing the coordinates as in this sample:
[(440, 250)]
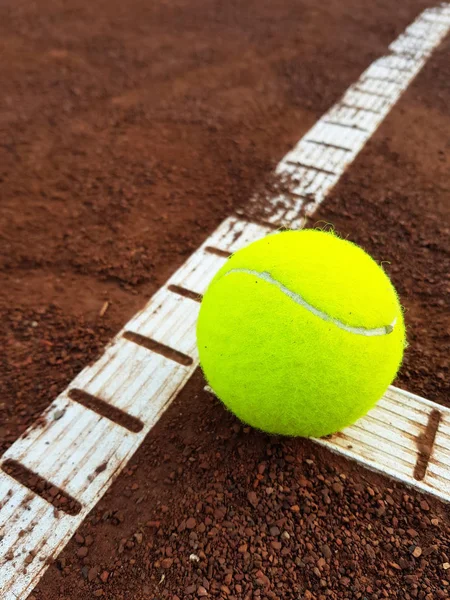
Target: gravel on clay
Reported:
[(128, 132)]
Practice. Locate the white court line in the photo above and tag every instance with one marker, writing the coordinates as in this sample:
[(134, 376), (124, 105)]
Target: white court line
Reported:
[(81, 452), (337, 138)]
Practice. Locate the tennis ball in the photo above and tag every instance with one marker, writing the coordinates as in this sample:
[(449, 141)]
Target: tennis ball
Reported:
[(300, 333)]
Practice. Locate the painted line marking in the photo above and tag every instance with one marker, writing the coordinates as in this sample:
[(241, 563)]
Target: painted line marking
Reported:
[(360, 110), (315, 168), (403, 438), (80, 451)]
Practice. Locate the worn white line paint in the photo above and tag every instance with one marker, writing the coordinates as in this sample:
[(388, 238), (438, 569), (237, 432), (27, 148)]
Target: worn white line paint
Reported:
[(386, 440), (71, 442), (337, 138)]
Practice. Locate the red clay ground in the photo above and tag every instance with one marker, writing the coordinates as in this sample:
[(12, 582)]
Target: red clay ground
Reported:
[(128, 131)]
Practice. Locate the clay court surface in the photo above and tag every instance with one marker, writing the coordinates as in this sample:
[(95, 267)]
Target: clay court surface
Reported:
[(128, 132)]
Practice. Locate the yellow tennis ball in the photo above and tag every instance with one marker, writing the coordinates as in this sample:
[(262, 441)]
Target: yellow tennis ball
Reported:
[(300, 333)]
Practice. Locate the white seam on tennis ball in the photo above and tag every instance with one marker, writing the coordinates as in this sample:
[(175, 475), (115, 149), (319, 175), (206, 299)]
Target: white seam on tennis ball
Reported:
[(265, 276)]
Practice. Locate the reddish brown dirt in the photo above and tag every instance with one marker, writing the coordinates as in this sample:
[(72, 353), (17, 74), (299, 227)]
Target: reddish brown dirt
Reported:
[(127, 132)]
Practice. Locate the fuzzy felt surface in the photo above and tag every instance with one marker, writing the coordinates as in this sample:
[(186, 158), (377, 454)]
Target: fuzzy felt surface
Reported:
[(282, 368)]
